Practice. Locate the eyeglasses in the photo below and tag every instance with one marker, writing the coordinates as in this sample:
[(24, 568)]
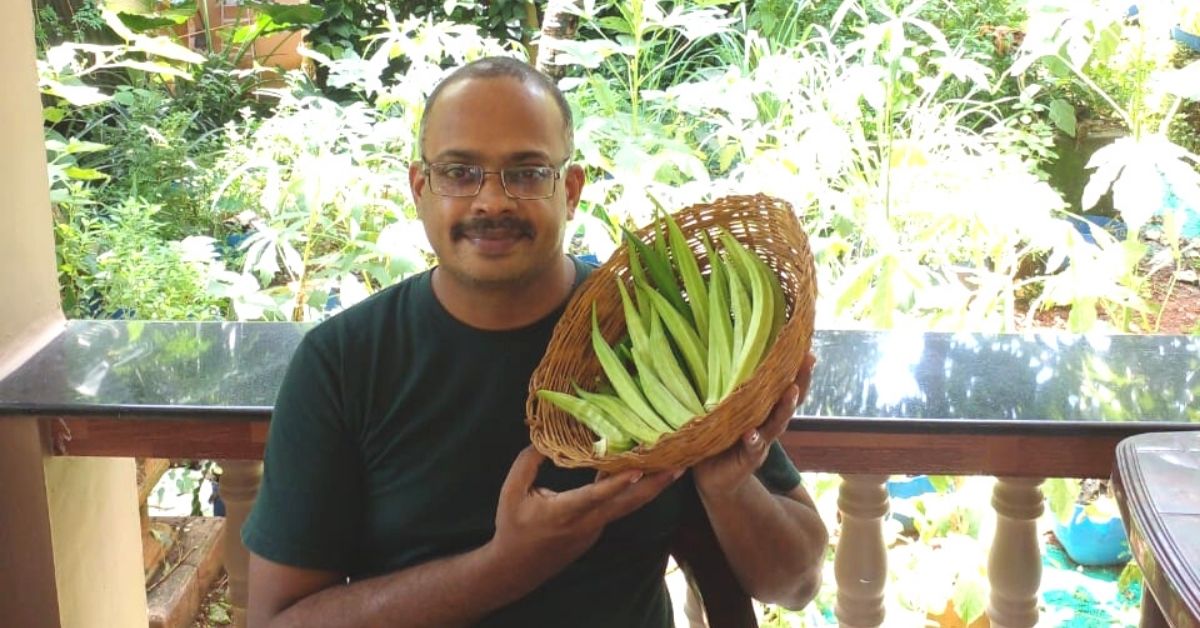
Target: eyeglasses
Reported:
[(519, 182)]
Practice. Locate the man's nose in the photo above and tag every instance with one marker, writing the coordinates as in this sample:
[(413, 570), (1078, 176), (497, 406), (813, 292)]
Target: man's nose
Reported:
[(492, 197)]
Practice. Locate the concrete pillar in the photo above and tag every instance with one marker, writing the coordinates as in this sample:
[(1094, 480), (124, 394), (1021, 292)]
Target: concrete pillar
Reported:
[(70, 551)]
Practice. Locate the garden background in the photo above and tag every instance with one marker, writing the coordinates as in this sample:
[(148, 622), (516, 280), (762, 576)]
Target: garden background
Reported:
[(979, 165)]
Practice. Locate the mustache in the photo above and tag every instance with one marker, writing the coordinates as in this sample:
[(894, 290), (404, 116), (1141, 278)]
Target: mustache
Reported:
[(481, 226)]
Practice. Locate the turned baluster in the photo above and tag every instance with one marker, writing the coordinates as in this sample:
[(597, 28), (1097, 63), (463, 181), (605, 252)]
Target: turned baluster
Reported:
[(1015, 561), (861, 561), (239, 487)]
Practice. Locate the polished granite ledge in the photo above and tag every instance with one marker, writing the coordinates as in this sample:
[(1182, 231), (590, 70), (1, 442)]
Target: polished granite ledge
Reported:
[(864, 379)]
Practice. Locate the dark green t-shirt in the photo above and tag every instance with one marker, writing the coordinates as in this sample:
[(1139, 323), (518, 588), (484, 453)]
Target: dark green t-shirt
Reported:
[(393, 432)]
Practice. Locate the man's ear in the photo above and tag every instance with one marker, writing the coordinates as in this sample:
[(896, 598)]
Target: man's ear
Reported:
[(573, 181), (416, 181)]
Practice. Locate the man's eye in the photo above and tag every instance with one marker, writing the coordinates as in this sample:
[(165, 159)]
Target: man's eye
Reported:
[(456, 172), (530, 175)]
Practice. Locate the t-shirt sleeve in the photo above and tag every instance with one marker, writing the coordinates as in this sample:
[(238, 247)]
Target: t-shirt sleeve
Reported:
[(777, 472), (310, 503)]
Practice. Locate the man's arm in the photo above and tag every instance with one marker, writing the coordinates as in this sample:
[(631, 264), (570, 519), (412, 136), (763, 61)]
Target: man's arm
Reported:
[(775, 544), (446, 592), (538, 533)]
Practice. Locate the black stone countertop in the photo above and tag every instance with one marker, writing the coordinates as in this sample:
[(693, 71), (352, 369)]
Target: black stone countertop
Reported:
[(1060, 382)]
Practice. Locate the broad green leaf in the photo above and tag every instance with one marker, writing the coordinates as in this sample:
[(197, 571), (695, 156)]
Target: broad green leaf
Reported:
[(287, 16), (728, 153), (589, 54), (163, 47), (77, 95), (1061, 493), (862, 273), (1108, 163), (1062, 114), (1107, 43), (615, 24), (968, 598), (251, 31), (1130, 576), (141, 23), (1083, 316), (80, 146), (53, 115), (1057, 66), (85, 174), (883, 306), (157, 68), (941, 483), (114, 22)]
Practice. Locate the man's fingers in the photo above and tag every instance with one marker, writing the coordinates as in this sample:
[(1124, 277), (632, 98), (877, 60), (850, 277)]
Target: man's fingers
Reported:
[(804, 375), (522, 474), (636, 495), (616, 495), (603, 489), (777, 421)]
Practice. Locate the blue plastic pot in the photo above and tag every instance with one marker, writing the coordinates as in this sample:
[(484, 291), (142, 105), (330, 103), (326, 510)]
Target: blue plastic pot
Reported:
[(1093, 543), (912, 486), (906, 488), (1190, 40)]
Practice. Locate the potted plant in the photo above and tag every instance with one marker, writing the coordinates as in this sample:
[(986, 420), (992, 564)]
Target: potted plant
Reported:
[(1087, 522)]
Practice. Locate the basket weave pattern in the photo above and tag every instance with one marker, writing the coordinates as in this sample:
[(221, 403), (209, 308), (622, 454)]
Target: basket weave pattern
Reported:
[(765, 225)]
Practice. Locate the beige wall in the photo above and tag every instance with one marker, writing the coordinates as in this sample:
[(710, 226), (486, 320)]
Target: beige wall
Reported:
[(28, 595), (70, 546), (97, 539), (26, 245)]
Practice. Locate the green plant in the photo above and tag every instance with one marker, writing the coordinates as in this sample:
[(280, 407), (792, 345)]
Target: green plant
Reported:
[(118, 264), (231, 43), (347, 26), (62, 71), (186, 480), (222, 88), (219, 93), (317, 186), (630, 55), (1124, 65), (83, 23), (885, 134)]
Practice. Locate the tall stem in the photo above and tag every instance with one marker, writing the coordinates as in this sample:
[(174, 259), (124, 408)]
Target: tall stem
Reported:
[(635, 79), (886, 153)]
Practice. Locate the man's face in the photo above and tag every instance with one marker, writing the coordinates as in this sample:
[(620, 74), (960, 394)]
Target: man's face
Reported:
[(491, 239)]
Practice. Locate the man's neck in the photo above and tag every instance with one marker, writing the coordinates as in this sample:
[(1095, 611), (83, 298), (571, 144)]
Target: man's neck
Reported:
[(501, 307)]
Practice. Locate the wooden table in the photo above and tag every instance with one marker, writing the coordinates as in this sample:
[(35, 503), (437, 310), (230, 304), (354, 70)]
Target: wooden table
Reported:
[(1157, 483)]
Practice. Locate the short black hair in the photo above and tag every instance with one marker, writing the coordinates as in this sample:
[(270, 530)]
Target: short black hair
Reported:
[(503, 67)]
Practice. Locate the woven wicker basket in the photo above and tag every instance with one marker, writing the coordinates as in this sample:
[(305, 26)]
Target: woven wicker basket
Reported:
[(767, 226)]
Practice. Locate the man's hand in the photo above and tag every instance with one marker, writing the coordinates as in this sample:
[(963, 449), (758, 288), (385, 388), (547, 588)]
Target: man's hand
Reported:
[(726, 472), (539, 531)]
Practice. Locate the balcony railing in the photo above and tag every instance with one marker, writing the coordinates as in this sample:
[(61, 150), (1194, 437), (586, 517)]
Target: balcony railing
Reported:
[(1019, 407)]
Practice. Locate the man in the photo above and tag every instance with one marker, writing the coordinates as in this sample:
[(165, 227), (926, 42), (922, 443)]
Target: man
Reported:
[(399, 487)]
